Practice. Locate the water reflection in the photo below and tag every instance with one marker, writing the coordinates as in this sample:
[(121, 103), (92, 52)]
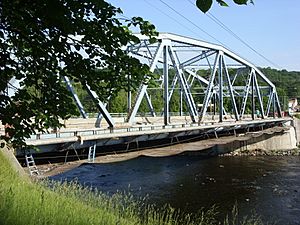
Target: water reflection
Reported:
[(267, 185)]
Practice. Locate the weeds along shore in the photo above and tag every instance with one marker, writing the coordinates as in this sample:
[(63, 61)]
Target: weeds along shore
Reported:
[(46, 202)]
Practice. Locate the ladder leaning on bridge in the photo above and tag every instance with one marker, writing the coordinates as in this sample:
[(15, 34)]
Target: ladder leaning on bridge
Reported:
[(33, 170), (92, 153)]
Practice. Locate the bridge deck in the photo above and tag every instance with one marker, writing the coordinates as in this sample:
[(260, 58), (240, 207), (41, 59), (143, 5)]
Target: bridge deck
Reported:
[(96, 134)]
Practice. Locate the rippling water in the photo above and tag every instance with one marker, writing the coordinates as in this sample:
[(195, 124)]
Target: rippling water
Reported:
[(269, 186)]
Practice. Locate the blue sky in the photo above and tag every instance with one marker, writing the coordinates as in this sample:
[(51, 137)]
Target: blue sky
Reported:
[(271, 27)]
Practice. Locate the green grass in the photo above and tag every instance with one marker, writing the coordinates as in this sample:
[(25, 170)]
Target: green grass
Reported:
[(24, 202)]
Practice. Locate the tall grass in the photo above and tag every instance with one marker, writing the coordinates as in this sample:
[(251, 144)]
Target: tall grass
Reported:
[(24, 202)]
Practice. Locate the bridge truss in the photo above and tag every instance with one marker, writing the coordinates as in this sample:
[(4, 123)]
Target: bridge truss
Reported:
[(210, 79)]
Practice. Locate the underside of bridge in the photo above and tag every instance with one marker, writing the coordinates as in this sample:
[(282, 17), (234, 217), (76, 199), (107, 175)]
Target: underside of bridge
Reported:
[(210, 80)]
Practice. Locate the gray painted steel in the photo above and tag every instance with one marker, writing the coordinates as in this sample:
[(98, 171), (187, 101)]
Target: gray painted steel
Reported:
[(187, 56)]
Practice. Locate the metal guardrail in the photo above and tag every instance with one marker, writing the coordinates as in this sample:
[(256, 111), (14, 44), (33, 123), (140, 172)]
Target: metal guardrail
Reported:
[(140, 128), (146, 114), (99, 131)]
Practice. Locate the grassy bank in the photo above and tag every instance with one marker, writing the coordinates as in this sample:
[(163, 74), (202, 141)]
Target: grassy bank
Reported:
[(25, 202)]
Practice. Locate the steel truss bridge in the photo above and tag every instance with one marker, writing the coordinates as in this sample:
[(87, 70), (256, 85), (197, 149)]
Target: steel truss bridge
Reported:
[(211, 82), (208, 77)]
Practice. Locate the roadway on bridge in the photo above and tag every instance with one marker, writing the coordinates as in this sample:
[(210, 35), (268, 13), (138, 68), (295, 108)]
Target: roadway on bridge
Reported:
[(90, 134)]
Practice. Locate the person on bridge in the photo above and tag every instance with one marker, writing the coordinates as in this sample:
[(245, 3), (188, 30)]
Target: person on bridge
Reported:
[(258, 113)]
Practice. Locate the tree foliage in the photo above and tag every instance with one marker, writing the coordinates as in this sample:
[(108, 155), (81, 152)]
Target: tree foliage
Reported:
[(43, 40), (288, 82), (205, 5)]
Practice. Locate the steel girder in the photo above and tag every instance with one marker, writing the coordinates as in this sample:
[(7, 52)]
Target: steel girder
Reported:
[(101, 107), (187, 56)]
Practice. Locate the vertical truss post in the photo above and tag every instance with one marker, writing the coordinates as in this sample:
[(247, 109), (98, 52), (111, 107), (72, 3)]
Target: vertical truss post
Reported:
[(214, 95), (274, 106), (220, 79), (75, 97), (209, 88), (252, 96), (180, 102), (128, 100), (166, 85), (230, 88)]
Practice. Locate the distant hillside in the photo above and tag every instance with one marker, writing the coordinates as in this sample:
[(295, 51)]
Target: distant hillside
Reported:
[(287, 83)]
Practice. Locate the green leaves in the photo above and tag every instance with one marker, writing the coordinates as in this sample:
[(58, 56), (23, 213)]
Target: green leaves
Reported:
[(43, 40), (222, 3), (204, 5), (241, 2)]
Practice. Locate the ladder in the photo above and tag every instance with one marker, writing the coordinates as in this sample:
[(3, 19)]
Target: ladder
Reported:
[(31, 165), (92, 153)]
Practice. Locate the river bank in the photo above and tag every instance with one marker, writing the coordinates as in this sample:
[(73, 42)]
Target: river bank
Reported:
[(267, 186), (25, 201), (262, 152)]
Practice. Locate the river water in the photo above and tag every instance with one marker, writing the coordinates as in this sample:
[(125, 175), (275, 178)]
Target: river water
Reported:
[(266, 185)]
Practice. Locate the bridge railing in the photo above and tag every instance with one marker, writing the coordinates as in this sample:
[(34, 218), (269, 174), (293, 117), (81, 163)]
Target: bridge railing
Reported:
[(140, 128), (102, 131)]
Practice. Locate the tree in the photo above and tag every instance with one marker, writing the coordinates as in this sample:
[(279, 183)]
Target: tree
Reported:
[(205, 5), (43, 40)]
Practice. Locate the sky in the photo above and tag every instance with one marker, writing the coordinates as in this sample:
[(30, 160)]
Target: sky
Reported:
[(270, 27)]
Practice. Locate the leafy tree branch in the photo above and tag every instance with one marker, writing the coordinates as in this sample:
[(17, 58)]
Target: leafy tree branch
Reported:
[(205, 5), (43, 40)]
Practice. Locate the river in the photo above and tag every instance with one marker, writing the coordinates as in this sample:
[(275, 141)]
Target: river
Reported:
[(266, 185)]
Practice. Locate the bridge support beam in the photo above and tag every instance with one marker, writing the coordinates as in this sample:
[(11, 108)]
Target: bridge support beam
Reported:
[(220, 82), (166, 86), (101, 107)]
